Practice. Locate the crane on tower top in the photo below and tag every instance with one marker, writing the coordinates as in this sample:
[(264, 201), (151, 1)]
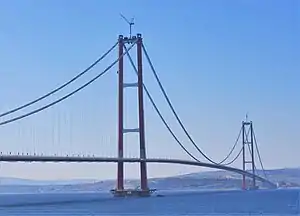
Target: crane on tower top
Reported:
[(130, 23)]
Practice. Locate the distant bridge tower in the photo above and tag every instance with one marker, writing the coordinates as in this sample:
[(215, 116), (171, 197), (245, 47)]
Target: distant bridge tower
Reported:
[(120, 190), (248, 146)]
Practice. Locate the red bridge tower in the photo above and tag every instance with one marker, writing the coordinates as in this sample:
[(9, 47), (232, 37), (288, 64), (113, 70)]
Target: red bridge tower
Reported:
[(120, 191)]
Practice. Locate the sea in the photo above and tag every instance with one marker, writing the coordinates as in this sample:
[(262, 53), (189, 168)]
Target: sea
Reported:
[(259, 202)]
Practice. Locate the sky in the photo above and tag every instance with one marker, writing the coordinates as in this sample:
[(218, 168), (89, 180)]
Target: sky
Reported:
[(217, 60)]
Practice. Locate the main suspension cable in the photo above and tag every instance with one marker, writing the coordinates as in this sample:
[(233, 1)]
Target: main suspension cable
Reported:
[(259, 157), (239, 153), (60, 87), (66, 96), (172, 108), (232, 149), (241, 150), (234, 159), (158, 111)]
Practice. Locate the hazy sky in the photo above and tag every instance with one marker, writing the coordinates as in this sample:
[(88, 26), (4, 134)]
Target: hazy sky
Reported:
[(218, 60)]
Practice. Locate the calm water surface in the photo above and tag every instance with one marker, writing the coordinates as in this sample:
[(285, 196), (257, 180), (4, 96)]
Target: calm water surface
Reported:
[(275, 202)]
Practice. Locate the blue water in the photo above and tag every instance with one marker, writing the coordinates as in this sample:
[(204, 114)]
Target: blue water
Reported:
[(269, 202)]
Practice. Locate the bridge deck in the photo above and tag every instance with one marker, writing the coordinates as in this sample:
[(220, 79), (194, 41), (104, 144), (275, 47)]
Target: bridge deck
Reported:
[(77, 159)]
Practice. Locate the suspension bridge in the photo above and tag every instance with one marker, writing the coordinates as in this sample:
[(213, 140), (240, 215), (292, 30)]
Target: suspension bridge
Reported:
[(247, 151)]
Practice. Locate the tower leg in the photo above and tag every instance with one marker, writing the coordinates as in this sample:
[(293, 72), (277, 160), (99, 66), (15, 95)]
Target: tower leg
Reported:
[(244, 157), (143, 166), (120, 175), (252, 156)]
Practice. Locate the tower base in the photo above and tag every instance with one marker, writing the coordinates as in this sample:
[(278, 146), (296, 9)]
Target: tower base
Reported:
[(132, 192)]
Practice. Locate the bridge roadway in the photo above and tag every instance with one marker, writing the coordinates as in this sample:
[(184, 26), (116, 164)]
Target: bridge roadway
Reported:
[(79, 159)]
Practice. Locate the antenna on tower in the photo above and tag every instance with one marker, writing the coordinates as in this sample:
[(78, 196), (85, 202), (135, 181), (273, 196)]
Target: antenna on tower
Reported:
[(131, 23), (247, 117)]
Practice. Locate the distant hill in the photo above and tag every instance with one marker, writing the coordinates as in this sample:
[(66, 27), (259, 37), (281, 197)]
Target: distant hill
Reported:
[(289, 177)]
